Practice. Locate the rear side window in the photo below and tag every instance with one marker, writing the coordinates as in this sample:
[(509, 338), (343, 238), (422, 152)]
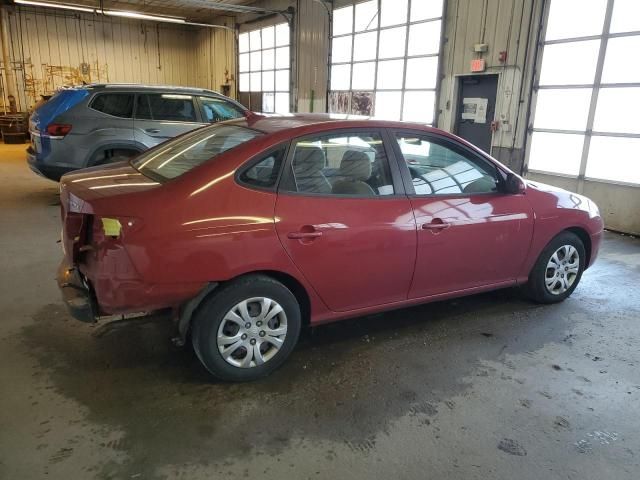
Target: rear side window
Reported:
[(166, 106), (114, 104), (218, 110), (264, 173)]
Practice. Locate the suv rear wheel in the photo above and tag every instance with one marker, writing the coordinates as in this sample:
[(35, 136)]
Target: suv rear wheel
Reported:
[(112, 155), (247, 329)]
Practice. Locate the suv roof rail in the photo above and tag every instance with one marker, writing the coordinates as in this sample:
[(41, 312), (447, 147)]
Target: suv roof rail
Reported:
[(151, 87)]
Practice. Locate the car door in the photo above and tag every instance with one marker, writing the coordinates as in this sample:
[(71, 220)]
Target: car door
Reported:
[(343, 218), (161, 116), (470, 234)]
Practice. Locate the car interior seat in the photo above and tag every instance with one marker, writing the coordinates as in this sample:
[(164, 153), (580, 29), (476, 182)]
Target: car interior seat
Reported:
[(307, 170), (355, 170)]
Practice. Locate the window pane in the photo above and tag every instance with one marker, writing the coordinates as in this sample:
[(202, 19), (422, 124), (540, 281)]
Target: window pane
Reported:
[(244, 62), (626, 16), (268, 81), (340, 77), (565, 21), (364, 46), (390, 74), (341, 49), (115, 104), (255, 82), (393, 12), (282, 57), (243, 42), (556, 152), (422, 72), (268, 102), (338, 165), (256, 61), (282, 34), (176, 108), (282, 80), (268, 37), (244, 82), (217, 110), (617, 110), (254, 40), (282, 102), (393, 42), (422, 10), (343, 20), (614, 158), (569, 63), (424, 38), (418, 107), (265, 173), (367, 16), (439, 170), (364, 75), (619, 63), (564, 109), (268, 59), (387, 105)]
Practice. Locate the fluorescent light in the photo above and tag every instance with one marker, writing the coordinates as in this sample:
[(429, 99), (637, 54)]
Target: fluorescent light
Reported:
[(56, 5), (142, 16)]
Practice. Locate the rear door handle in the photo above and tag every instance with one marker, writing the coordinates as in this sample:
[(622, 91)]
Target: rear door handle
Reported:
[(436, 225), (303, 235), (152, 130)]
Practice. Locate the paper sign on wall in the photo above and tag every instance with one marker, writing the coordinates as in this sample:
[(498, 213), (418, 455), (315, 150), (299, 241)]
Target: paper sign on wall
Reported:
[(475, 109)]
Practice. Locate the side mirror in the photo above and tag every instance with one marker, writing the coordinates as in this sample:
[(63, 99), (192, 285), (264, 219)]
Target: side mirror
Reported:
[(514, 185)]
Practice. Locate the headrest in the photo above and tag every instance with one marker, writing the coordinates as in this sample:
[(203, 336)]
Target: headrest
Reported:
[(355, 165), (308, 161)]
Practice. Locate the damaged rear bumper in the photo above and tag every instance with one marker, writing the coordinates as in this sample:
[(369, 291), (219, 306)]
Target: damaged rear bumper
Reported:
[(76, 293)]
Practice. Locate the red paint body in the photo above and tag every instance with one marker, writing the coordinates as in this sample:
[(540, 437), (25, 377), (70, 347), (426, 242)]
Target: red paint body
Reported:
[(374, 254)]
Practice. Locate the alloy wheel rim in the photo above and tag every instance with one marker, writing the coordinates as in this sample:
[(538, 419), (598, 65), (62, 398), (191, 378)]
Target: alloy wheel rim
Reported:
[(252, 332), (562, 270)]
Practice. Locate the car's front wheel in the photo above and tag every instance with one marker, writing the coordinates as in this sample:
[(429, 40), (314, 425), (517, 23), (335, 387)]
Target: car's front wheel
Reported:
[(247, 329), (558, 269)]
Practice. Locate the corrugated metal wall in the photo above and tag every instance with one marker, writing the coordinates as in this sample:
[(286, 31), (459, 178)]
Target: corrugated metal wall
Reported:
[(505, 25), (49, 49), (216, 58)]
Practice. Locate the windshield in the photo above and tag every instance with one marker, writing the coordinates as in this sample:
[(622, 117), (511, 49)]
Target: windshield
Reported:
[(180, 155)]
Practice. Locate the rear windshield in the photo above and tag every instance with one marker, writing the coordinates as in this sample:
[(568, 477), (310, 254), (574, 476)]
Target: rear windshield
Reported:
[(178, 156)]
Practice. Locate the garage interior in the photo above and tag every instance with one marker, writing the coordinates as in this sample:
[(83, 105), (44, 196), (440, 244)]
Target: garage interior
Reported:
[(486, 386)]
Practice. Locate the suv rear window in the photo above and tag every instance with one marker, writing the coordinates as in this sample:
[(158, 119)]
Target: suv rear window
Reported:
[(115, 104), (178, 156), (166, 106)]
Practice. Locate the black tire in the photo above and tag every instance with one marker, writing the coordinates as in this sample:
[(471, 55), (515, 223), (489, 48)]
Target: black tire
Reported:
[(536, 287), (209, 316), (112, 156)]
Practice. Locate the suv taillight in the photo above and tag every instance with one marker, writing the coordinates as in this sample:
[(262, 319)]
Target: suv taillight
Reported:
[(58, 129)]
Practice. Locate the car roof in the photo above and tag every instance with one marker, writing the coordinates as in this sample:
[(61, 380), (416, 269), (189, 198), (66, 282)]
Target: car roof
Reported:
[(140, 86), (273, 123)]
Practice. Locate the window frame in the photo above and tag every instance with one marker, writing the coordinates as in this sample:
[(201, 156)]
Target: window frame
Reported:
[(101, 94), (396, 178), (196, 106), (468, 153), (256, 159)]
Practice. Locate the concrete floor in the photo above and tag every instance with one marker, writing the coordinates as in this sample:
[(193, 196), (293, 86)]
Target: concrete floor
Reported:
[(489, 386)]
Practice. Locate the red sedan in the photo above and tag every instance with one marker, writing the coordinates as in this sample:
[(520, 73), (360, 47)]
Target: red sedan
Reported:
[(252, 228)]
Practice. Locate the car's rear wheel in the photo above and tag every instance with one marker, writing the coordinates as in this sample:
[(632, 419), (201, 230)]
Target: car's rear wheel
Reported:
[(247, 329), (558, 270)]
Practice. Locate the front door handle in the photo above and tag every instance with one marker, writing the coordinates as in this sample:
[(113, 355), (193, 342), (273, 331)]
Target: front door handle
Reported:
[(436, 225), (152, 130)]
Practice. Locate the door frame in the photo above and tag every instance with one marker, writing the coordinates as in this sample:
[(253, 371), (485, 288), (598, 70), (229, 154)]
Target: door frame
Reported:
[(457, 90)]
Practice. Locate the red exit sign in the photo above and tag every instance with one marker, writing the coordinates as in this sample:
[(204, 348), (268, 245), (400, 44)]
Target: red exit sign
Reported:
[(478, 65)]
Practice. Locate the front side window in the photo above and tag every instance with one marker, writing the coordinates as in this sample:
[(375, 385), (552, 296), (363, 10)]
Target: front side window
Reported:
[(184, 153), (114, 104), (166, 106), (218, 110), (264, 173), (341, 164), (437, 169)]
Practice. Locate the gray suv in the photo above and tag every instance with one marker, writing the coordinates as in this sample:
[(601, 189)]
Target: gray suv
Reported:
[(101, 123)]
